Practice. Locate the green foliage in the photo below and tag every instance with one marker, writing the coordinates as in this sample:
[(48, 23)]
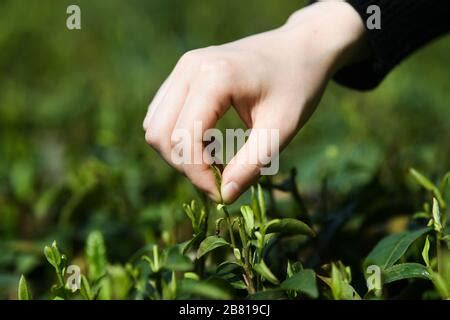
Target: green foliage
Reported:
[(289, 227), (73, 161), (303, 281), (24, 292), (265, 272), (186, 270), (74, 158), (211, 243), (389, 250), (96, 255), (406, 271)]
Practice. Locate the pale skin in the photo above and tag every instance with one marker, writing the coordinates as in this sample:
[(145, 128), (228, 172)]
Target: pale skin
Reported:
[(274, 80)]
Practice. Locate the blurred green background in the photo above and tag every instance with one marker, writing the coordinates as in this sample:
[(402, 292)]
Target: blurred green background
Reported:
[(73, 155)]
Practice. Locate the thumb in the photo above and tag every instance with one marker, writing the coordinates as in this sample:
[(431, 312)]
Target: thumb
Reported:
[(261, 147)]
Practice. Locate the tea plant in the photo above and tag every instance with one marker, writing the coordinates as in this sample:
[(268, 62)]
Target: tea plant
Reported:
[(228, 256)]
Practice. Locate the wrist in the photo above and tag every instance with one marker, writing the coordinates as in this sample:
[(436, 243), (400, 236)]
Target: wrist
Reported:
[(332, 31)]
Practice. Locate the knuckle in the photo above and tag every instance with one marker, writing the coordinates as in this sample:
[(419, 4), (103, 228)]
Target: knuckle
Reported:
[(218, 68), (153, 139), (190, 56)]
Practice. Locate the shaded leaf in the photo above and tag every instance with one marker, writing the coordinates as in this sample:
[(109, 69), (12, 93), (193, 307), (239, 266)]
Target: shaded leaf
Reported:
[(185, 246), (85, 289), (427, 184), (290, 226), (176, 261), (303, 281), (96, 255), (210, 289), (265, 272), (393, 247), (209, 244), (440, 285), (422, 180), (406, 271), (271, 294)]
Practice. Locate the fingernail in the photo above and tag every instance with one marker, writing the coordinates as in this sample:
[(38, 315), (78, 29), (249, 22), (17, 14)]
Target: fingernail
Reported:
[(230, 192)]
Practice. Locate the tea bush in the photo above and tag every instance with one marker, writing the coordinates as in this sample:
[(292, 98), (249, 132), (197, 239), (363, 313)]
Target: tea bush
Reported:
[(75, 168), (229, 258)]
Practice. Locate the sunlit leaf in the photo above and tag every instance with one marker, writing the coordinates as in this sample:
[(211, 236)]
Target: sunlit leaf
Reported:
[(425, 252), (53, 255), (24, 291)]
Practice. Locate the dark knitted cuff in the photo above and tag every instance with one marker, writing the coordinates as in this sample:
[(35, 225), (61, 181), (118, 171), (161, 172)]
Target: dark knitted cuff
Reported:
[(406, 25)]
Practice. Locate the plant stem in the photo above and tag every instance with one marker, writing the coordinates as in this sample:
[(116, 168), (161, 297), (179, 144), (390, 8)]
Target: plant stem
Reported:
[(439, 254), (230, 227), (249, 283)]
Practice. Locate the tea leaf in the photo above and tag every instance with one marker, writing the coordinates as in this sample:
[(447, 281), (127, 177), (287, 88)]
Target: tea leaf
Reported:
[(271, 294), (209, 244), (52, 254), (440, 285), (293, 268), (390, 249), (437, 223), (303, 281), (210, 289), (85, 289), (427, 184), (265, 272), (289, 226), (249, 219), (339, 284), (185, 246), (422, 180), (191, 275), (218, 178), (176, 261), (262, 204), (444, 182), (425, 252), (96, 255), (24, 291), (255, 205), (406, 271)]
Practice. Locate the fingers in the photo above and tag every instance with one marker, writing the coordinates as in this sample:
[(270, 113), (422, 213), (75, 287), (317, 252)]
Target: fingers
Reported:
[(163, 113), (259, 152), (190, 102), (155, 102), (207, 101)]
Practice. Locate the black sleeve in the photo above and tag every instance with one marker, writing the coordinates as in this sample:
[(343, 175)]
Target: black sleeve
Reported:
[(406, 25)]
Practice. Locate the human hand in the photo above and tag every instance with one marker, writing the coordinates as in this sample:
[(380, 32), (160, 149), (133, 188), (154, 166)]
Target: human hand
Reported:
[(274, 80)]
